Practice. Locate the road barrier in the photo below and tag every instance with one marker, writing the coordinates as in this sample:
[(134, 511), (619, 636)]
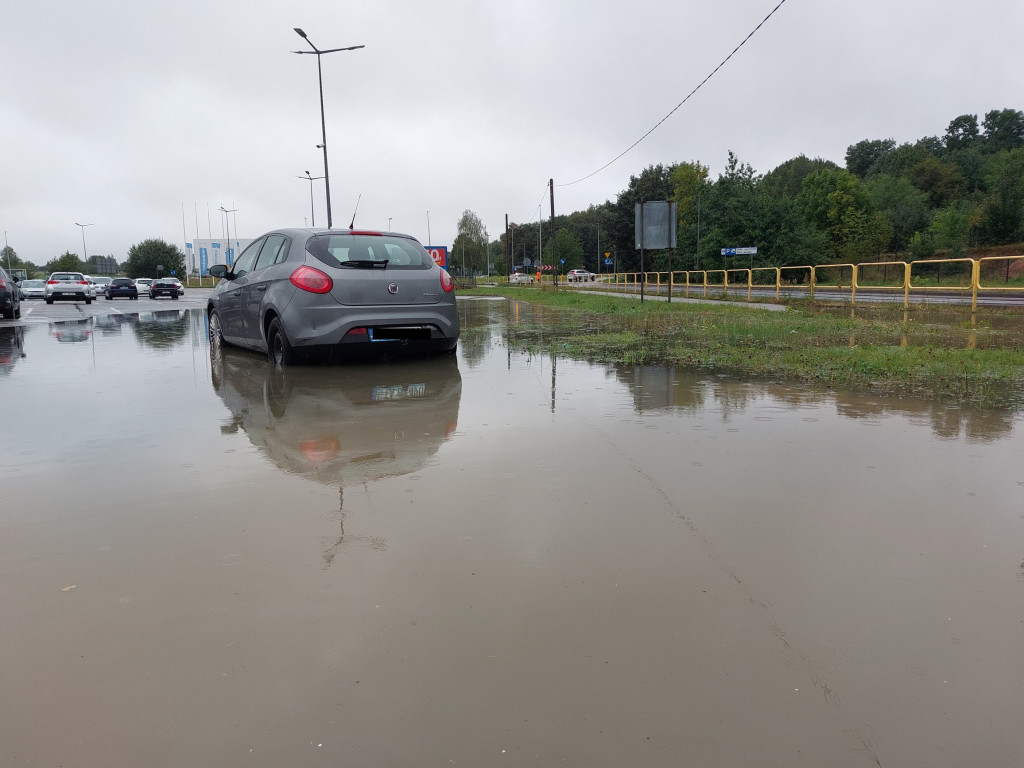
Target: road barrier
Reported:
[(962, 276)]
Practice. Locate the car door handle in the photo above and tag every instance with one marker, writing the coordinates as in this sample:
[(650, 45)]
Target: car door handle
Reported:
[(236, 293), (261, 287)]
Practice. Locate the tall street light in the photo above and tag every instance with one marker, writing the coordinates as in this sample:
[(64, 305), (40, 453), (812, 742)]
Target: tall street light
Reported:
[(85, 256), (323, 122), (311, 180), (229, 253)]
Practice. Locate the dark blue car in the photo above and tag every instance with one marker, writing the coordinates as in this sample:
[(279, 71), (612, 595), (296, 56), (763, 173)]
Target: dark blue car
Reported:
[(123, 287)]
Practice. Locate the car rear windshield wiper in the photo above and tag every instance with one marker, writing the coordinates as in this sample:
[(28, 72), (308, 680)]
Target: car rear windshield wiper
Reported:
[(364, 263)]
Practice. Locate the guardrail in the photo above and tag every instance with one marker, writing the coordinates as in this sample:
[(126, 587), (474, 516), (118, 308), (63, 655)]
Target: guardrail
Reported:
[(965, 276)]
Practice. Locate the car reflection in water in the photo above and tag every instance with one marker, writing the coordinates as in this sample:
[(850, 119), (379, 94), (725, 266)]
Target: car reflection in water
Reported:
[(71, 331), (12, 347), (340, 426)]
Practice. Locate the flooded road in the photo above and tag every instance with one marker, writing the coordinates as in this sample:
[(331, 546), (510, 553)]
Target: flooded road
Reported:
[(492, 560)]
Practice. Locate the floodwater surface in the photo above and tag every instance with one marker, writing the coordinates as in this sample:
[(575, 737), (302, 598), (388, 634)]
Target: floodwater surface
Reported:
[(494, 559)]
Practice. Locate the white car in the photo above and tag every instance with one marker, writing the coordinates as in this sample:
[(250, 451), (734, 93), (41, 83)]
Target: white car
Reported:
[(99, 285), (143, 284), (520, 278), (580, 276), (68, 286)]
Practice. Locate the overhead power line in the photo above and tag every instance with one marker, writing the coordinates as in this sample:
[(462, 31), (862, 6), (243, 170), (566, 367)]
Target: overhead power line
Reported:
[(677, 106)]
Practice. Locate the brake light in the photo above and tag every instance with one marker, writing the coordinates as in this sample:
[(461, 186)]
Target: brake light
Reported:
[(312, 280), (52, 282), (446, 281), (364, 232), (83, 282)]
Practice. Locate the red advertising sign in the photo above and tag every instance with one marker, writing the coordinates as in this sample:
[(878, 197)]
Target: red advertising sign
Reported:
[(439, 253)]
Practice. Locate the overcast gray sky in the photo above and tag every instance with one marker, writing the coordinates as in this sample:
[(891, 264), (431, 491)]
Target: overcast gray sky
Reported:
[(117, 114)]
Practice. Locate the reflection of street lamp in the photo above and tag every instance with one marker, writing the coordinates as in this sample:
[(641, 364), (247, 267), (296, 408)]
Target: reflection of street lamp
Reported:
[(323, 122), (311, 179), (85, 256)]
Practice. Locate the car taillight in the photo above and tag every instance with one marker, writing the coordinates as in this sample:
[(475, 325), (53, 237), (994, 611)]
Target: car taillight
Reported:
[(83, 282), (312, 280), (51, 282), (446, 281)]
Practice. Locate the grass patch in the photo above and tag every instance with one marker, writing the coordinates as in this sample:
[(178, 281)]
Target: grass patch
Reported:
[(882, 348)]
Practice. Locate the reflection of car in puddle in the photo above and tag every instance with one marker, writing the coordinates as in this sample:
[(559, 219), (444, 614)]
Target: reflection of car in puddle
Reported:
[(341, 426), (71, 331), (12, 347)]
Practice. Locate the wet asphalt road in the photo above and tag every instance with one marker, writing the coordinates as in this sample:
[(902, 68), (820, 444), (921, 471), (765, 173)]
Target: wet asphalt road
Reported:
[(490, 560)]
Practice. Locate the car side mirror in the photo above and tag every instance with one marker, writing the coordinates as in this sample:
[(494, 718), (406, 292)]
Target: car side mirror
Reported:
[(220, 271)]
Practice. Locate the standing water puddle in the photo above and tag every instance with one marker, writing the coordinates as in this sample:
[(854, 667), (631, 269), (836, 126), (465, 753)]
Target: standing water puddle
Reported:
[(497, 559)]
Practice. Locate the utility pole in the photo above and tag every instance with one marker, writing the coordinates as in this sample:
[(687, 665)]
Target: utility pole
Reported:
[(554, 274)]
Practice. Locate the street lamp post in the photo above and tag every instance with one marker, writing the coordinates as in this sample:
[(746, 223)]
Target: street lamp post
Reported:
[(323, 121), (311, 180), (85, 255), (228, 253)]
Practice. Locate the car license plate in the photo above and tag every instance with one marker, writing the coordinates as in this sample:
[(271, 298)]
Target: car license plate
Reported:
[(66, 293)]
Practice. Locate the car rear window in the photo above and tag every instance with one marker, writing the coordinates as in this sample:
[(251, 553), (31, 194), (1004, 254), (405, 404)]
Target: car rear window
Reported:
[(399, 252), (65, 276)]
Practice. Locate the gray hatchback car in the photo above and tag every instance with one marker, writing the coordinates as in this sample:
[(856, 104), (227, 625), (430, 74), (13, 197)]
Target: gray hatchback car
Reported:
[(298, 291)]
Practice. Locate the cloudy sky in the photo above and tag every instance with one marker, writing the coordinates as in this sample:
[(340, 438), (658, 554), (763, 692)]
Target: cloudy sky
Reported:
[(123, 114)]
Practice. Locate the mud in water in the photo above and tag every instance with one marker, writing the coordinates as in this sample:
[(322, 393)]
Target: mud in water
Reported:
[(492, 560)]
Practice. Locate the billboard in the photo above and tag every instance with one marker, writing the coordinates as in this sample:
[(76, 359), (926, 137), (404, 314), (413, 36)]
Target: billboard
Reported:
[(439, 253)]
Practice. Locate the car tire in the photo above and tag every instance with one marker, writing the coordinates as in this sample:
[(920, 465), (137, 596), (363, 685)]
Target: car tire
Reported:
[(88, 301), (279, 349), (175, 297), (7, 314), (216, 334), (49, 300)]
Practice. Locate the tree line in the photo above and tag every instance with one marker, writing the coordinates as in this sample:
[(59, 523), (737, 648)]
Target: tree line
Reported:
[(934, 196), (143, 261)]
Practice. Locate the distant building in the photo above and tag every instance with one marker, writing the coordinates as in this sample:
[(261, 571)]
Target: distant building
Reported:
[(200, 255)]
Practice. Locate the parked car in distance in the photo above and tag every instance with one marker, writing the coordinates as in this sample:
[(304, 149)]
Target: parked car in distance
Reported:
[(520, 278), (68, 286), (580, 276), (123, 287), (293, 291), (99, 285), (10, 296), (163, 286), (32, 289), (177, 282), (143, 283)]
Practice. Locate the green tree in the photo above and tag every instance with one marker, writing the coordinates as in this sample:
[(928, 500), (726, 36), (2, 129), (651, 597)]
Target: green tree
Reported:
[(838, 204), (153, 258), (1002, 215), (564, 245), (903, 204), (952, 227), (788, 178), (962, 132), (67, 262), (939, 179), (653, 183), (862, 155), (1004, 129), (469, 251)]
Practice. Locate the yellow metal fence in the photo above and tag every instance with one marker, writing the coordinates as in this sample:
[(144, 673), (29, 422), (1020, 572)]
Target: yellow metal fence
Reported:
[(961, 276)]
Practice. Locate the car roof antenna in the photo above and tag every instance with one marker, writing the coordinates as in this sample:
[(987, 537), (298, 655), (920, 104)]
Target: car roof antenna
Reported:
[(352, 223)]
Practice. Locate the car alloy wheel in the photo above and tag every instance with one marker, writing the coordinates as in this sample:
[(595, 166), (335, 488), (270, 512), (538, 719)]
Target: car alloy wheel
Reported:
[(279, 349)]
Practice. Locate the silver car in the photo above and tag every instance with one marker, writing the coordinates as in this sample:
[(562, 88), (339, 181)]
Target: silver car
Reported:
[(68, 286), (339, 292), (33, 289)]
